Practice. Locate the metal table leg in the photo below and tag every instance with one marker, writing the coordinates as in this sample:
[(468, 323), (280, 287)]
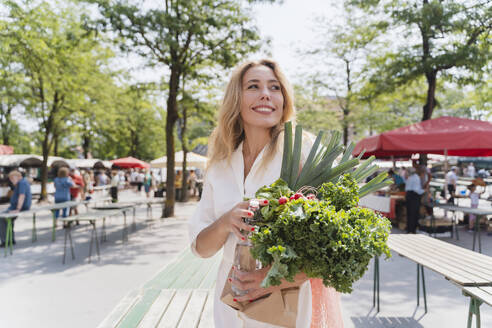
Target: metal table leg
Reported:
[(53, 231), (9, 237), (474, 309), (375, 291), (475, 232), (34, 234), (68, 235), (125, 228), (420, 269)]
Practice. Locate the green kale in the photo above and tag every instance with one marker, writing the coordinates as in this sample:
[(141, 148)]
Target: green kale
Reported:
[(330, 238), (343, 195)]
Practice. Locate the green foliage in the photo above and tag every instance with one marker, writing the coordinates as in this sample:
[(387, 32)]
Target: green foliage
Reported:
[(317, 238), (439, 40), (343, 195)]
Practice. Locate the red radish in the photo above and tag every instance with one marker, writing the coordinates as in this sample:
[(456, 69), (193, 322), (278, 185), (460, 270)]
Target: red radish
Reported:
[(291, 198), (298, 195), (311, 196), (282, 200)]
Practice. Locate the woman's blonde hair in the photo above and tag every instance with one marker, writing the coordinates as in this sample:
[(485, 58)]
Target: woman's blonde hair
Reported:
[(229, 132)]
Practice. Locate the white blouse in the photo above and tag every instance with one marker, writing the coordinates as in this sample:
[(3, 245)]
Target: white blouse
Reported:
[(224, 187)]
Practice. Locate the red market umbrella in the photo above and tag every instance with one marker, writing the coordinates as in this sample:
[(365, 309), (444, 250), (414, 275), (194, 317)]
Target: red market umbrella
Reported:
[(6, 150), (446, 135), (130, 162)]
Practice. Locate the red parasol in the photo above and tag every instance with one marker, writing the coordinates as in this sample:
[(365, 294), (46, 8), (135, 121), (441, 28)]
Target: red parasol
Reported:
[(452, 135), (130, 162)]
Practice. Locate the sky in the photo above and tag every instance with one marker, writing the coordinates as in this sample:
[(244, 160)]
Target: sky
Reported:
[(290, 27)]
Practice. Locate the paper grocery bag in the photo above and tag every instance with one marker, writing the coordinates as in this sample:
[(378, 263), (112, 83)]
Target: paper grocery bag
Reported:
[(278, 308)]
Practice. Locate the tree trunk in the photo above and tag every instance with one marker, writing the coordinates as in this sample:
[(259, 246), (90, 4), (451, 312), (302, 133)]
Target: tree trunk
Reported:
[(431, 93), (44, 166), (184, 142), (55, 146), (172, 116), (86, 142)]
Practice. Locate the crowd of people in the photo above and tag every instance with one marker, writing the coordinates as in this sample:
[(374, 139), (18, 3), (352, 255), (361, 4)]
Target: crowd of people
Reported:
[(415, 182)]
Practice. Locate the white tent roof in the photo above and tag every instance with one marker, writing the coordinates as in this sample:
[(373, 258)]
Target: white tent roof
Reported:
[(192, 159), (88, 163), (20, 160)]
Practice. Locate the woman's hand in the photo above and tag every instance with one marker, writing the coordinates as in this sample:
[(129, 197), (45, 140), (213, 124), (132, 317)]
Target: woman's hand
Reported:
[(251, 282), (233, 219)]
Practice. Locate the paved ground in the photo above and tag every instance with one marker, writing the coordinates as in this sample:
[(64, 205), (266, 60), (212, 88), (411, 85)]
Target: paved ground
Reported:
[(37, 290)]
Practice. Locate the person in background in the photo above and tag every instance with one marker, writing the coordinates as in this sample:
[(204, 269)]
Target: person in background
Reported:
[(20, 200), (62, 183), (178, 182), (102, 179), (451, 180), (148, 180), (483, 173), (470, 171), (192, 183), (75, 190), (474, 198), (398, 180), (88, 186), (414, 191), (140, 181), (115, 181)]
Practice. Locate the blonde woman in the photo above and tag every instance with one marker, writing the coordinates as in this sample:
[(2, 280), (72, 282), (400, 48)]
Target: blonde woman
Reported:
[(245, 154)]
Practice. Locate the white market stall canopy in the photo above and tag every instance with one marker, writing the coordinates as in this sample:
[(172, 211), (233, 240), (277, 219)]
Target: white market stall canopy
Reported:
[(89, 163), (192, 160), (24, 160)]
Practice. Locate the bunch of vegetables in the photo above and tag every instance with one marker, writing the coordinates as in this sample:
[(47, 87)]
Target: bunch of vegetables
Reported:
[(313, 223)]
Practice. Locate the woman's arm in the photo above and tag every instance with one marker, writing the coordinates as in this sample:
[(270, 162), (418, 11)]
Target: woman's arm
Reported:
[(213, 237)]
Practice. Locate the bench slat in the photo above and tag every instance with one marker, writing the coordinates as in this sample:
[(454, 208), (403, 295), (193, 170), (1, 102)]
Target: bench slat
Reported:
[(209, 281), (194, 309), (158, 308), (166, 277), (120, 310), (207, 319), (174, 312), (135, 315)]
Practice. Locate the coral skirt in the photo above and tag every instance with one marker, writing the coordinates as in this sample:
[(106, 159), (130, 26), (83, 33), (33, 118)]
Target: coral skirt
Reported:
[(326, 312)]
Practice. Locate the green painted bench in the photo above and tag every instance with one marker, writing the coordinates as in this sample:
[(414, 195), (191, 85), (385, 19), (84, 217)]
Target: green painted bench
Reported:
[(478, 295), (181, 295)]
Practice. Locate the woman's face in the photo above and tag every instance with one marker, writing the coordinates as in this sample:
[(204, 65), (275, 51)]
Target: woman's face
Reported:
[(262, 100)]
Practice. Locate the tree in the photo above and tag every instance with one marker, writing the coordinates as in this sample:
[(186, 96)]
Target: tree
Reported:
[(433, 39), (12, 92), (198, 108), (181, 36), (315, 111), (342, 55), (58, 56)]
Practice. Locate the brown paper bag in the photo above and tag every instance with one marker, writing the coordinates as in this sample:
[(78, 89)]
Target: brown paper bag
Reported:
[(278, 308)]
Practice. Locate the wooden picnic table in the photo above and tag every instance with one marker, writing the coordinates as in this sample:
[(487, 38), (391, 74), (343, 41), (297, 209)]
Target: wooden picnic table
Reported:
[(123, 207), (90, 217), (479, 212), (470, 271), (9, 233)]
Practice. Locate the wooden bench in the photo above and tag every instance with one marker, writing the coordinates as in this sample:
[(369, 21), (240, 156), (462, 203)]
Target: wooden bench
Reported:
[(478, 295), (463, 267), (181, 295)]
